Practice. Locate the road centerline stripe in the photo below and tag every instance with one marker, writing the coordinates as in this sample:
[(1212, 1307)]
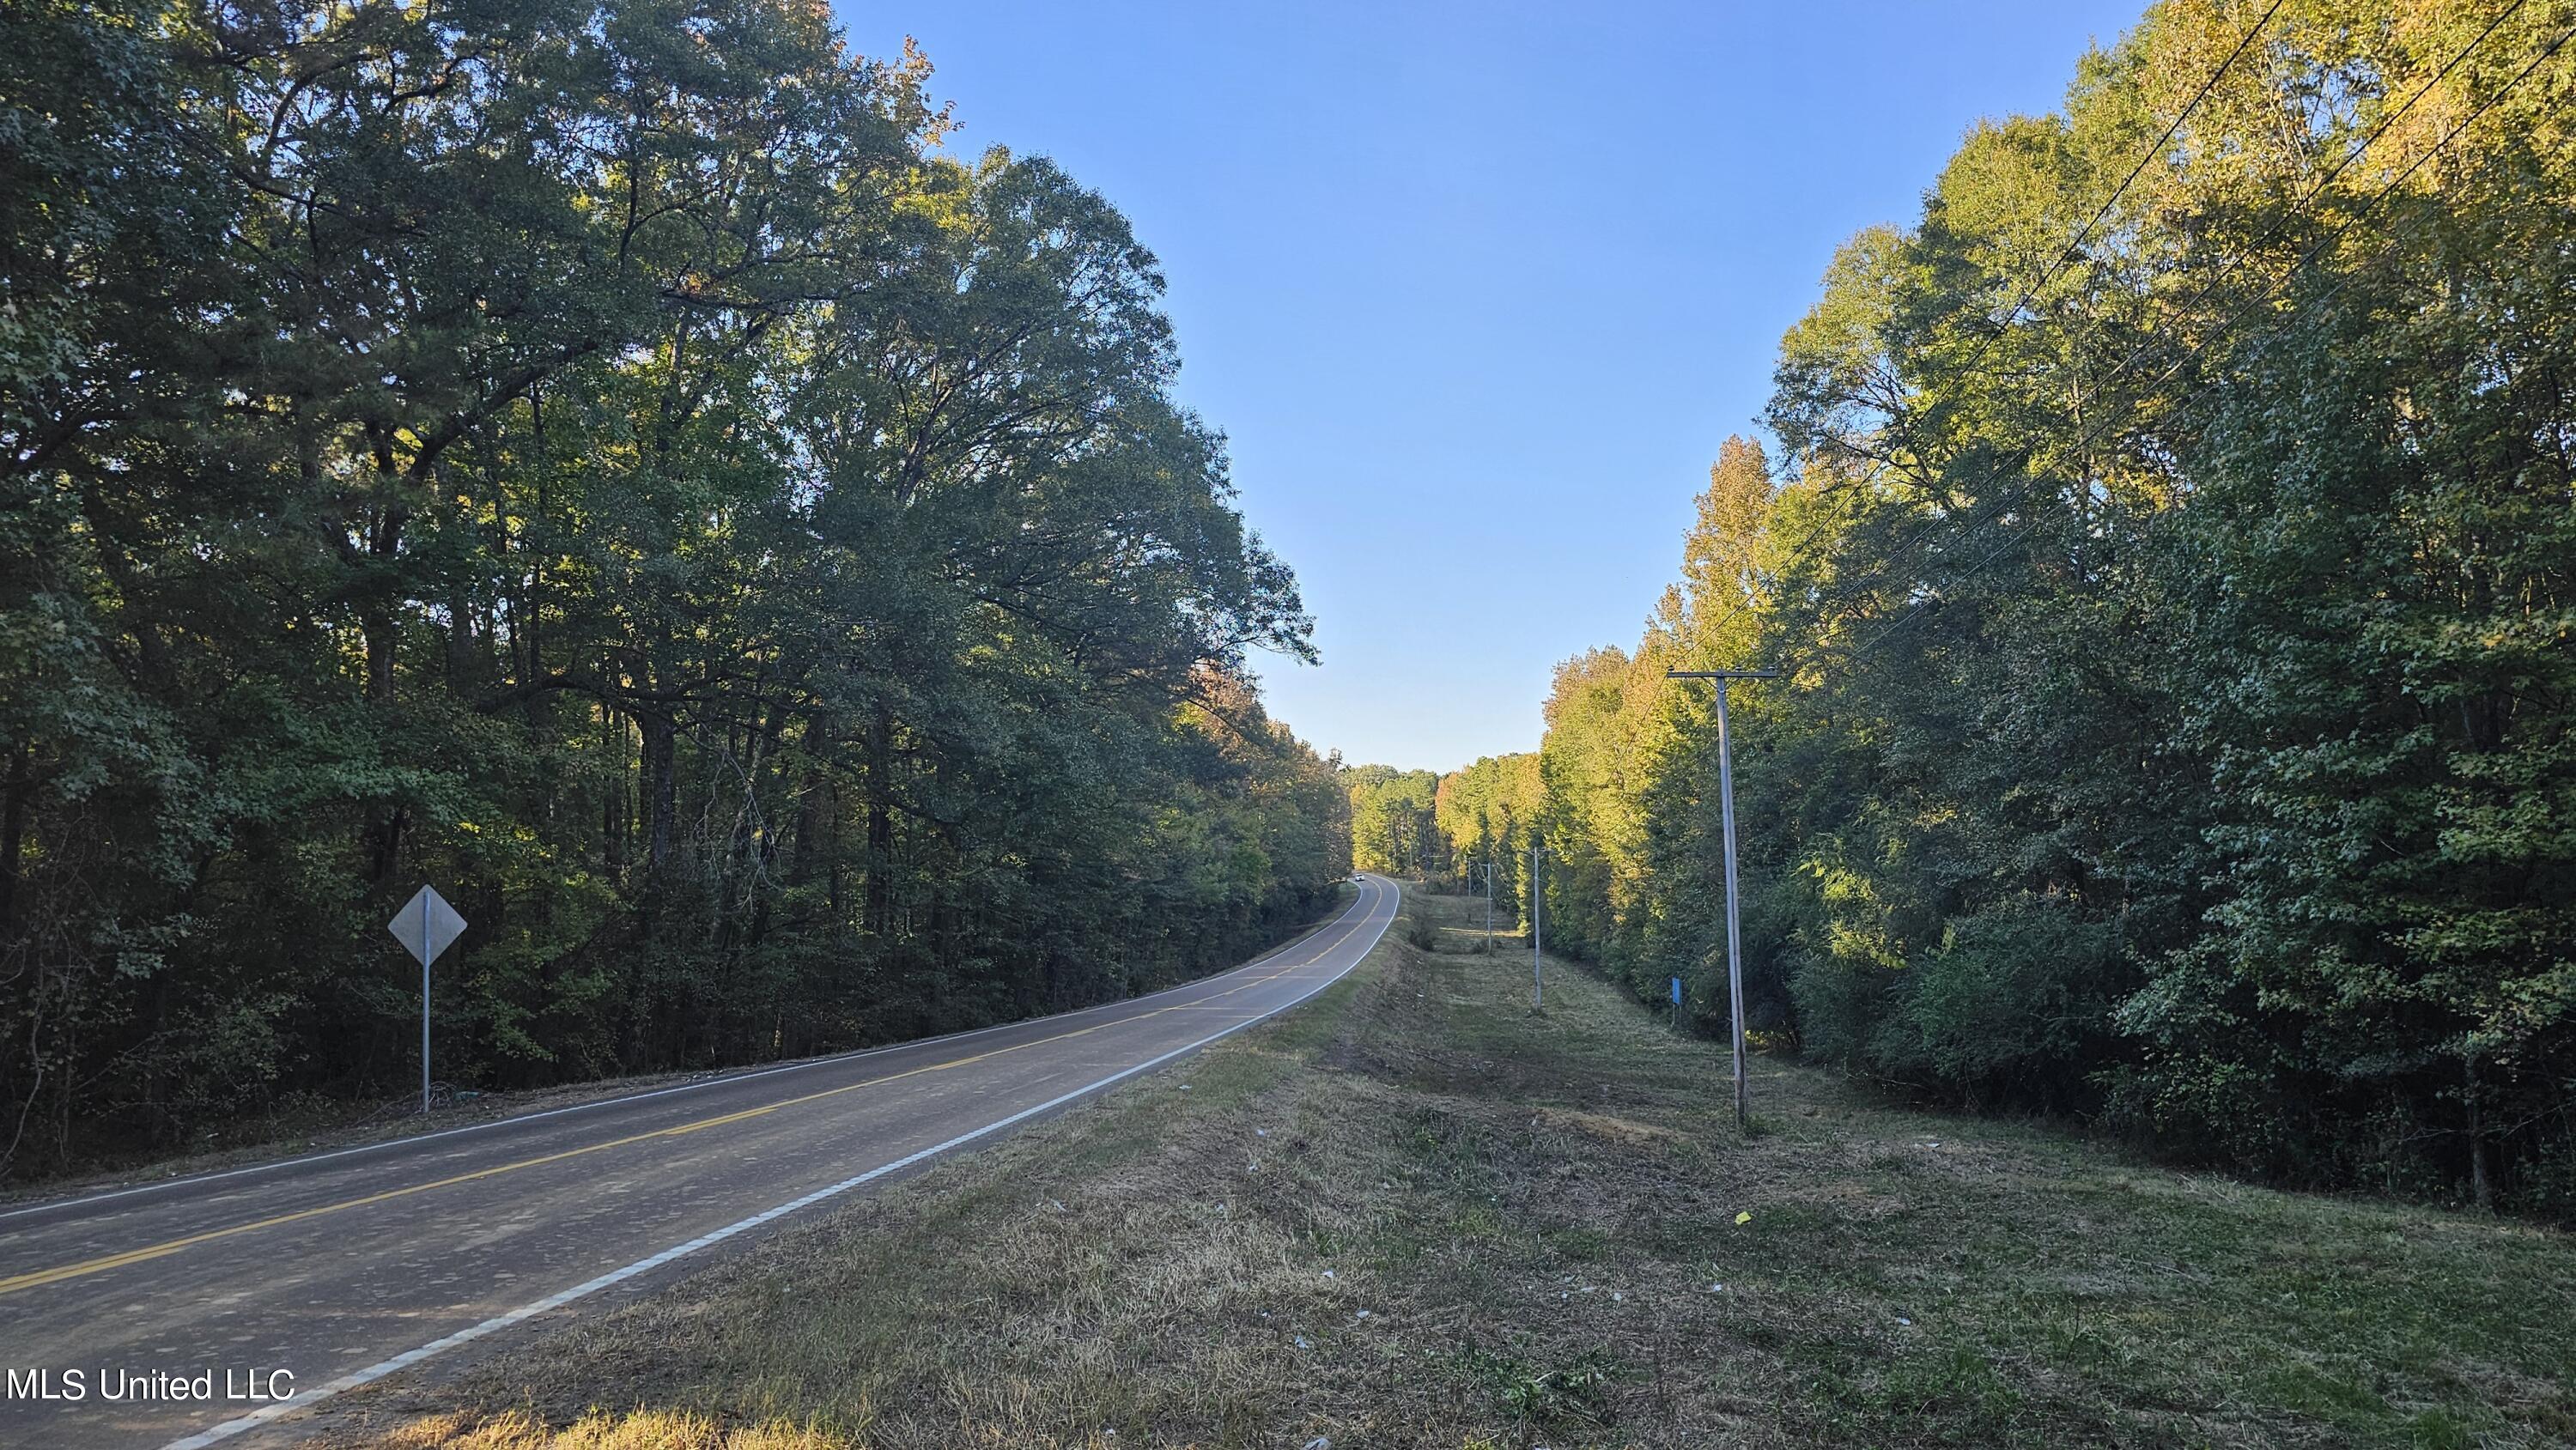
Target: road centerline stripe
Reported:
[(408, 1358), (719, 1080), (707, 1240), (126, 1258)]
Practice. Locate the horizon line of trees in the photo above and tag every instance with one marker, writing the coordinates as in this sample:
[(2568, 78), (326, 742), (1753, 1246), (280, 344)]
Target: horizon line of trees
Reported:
[(2180, 729), (612, 462)]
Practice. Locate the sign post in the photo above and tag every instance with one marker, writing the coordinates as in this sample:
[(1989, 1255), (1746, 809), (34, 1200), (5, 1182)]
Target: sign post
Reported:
[(426, 926)]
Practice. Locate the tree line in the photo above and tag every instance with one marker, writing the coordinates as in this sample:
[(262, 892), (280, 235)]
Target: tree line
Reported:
[(2171, 545), (615, 463)]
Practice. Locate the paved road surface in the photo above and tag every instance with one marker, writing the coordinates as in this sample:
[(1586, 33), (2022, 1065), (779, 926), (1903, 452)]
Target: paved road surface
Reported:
[(344, 1267)]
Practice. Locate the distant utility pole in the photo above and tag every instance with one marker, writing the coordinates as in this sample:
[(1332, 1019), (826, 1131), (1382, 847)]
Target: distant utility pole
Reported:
[(1488, 869), (1538, 903), (1726, 812)]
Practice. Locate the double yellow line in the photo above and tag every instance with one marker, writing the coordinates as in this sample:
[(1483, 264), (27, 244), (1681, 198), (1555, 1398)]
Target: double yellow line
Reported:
[(101, 1265)]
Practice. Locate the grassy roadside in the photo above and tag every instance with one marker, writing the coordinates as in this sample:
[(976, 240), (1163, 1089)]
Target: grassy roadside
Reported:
[(321, 1126), (1415, 1213)]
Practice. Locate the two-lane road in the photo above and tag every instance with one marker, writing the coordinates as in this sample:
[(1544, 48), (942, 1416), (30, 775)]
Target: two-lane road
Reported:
[(343, 1267)]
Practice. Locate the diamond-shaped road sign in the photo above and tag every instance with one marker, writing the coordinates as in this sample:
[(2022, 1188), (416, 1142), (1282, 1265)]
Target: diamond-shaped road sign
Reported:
[(427, 925)]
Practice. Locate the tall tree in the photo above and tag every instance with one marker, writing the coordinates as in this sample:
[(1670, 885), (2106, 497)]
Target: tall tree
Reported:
[(2170, 563), (614, 462)]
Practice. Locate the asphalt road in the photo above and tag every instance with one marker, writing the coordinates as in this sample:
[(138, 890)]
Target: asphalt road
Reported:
[(343, 1267)]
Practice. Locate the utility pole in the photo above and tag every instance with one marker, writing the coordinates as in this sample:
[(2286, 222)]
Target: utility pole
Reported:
[(1726, 812), (1489, 901), (1538, 904)]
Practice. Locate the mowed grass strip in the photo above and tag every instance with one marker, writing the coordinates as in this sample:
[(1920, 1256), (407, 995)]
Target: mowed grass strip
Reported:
[(1417, 1213)]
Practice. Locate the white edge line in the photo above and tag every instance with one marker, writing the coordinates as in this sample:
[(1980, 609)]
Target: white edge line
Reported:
[(558, 1299), (687, 1087)]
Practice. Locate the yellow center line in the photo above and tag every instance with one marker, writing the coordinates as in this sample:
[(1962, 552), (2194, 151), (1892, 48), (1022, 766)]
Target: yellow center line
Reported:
[(38, 1277)]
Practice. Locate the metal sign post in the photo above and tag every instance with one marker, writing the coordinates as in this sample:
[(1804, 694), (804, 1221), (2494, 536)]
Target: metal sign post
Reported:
[(426, 926), (1726, 811)]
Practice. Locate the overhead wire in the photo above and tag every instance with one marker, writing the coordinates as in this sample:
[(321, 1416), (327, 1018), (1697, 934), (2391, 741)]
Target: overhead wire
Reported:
[(2073, 249), (2353, 154), (2261, 299)]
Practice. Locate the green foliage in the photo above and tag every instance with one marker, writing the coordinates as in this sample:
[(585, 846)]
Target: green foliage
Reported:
[(1488, 815), (1393, 827), (2181, 717), (1575, 1393), (610, 463), (2011, 1007)]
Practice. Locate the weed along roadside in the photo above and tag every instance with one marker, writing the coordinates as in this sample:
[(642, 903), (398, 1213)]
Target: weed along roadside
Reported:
[(1415, 1213)]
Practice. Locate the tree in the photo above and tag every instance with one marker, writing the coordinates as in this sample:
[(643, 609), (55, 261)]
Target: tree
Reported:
[(2169, 562), (612, 462)]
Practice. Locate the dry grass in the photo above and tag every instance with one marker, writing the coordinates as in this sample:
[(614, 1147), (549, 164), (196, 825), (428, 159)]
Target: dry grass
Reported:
[(1416, 1213), (642, 1430)]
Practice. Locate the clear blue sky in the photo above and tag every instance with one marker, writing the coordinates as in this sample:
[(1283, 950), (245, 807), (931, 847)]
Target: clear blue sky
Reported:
[(1476, 290)]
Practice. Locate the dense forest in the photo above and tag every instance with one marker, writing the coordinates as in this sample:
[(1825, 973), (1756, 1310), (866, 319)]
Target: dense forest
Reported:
[(614, 463), (2171, 545)]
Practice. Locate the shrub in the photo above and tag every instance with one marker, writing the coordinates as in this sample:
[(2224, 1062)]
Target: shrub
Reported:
[(2013, 1007)]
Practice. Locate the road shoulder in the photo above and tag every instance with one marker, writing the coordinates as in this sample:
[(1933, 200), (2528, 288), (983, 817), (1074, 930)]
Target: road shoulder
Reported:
[(399, 1123), (1416, 1212)]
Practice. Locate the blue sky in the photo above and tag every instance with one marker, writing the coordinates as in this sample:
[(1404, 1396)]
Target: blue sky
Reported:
[(1476, 291)]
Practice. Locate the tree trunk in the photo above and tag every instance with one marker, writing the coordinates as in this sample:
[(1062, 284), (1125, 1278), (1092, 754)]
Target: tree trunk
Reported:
[(13, 832), (814, 803), (880, 902), (2480, 1188), (377, 627), (661, 788)]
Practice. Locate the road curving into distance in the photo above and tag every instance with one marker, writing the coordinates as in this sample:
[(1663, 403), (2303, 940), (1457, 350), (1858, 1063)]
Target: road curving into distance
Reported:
[(341, 1268)]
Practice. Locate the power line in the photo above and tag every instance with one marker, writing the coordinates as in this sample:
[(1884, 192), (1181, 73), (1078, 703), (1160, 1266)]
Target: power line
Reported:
[(2022, 530), (2385, 123), (2074, 247), (2232, 263), (2381, 128)]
